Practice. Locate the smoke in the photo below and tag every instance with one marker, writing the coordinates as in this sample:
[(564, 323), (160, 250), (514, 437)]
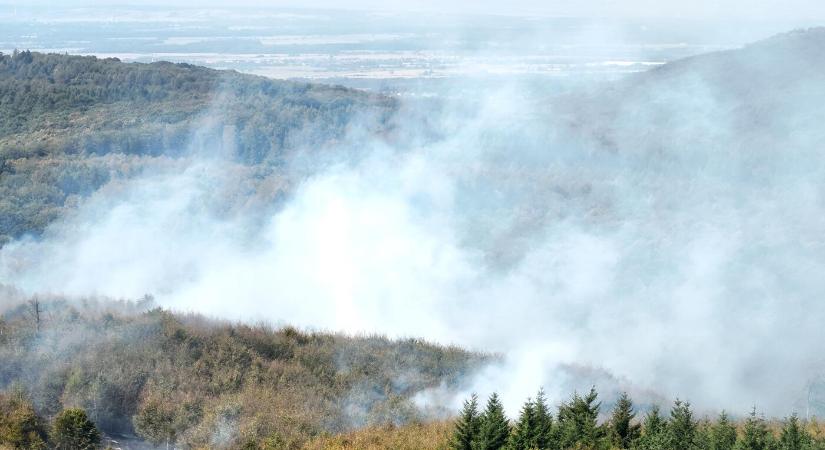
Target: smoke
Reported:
[(661, 234)]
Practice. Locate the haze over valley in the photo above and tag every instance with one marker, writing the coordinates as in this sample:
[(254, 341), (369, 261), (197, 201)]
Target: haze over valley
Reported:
[(271, 227)]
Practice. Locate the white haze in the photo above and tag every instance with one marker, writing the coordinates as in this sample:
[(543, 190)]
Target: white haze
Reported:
[(693, 270), (764, 10)]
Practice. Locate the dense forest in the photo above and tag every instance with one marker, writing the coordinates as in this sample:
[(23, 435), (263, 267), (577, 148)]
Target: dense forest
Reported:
[(71, 124), (579, 424), (137, 370)]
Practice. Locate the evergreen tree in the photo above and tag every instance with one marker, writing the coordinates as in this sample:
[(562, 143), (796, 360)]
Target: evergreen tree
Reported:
[(723, 434), (755, 434), (578, 422), (72, 430), (494, 429), (793, 436), (467, 426), (543, 435), (624, 431), (682, 427), (703, 439), (654, 431), (523, 435)]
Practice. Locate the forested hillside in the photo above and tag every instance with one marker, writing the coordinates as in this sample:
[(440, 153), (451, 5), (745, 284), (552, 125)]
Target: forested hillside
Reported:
[(184, 379), (757, 100), (70, 124)]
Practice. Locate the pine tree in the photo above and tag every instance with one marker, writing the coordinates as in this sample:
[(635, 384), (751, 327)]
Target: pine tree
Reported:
[(543, 435), (755, 435), (793, 436), (723, 434), (578, 422), (654, 431), (524, 432), (623, 430), (494, 429), (682, 426), (703, 437), (467, 426)]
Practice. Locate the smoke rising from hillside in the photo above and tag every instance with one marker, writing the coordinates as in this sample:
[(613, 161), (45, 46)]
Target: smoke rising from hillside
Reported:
[(668, 237)]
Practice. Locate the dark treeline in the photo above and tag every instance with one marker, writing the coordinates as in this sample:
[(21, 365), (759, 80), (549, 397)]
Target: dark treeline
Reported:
[(52, 104), (577, 425)]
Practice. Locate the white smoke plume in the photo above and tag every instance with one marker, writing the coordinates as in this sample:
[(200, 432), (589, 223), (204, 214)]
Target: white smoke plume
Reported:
[(673, 247)]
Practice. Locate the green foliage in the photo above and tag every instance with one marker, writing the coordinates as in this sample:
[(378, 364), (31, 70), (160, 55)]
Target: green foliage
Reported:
[(20, 426), (682, 427), (723, 433), (793, 436), (72, 430), (755, 434), (534, 428), (624, 431), (578, 426), (654, 431), (525, 429), (543, 437), (703, 438), (71, 124), (494, 430), (467, 426)]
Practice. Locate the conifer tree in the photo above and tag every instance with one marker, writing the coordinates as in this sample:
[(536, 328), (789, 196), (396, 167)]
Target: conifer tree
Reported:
[(543, 435), (703, 437), (723, 433), (624, 431), (755, 434), (467, 426), (494, 429), (681, 427), (654, 431), (524, 432), (578, 422), (793, 436)]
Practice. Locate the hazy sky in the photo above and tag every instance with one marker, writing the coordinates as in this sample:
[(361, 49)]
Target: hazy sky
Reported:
[(725, 9)]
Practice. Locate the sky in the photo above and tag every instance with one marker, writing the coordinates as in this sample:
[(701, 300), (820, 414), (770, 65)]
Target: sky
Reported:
[(795, 10)]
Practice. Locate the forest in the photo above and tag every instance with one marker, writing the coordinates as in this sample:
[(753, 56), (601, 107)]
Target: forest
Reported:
[(90, 372), (71, 124), (579, 423), (97, 373)]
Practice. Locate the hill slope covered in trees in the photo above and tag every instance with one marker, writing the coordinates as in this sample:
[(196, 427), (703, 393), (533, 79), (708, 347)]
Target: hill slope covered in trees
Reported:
[(70, 124), (185, 379)]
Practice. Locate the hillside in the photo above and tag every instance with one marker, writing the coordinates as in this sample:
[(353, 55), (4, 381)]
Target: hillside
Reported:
[(70, 124), (692, 193), (140, 370), (758, 99)]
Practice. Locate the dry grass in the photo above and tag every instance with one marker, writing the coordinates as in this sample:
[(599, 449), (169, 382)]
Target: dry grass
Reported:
[(426, 436)]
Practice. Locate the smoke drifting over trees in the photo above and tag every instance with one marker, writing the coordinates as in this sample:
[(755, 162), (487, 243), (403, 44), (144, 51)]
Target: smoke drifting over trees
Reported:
[(660, 234)]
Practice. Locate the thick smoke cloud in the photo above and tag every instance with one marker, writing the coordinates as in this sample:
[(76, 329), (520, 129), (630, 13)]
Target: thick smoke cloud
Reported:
[(662, 237)]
